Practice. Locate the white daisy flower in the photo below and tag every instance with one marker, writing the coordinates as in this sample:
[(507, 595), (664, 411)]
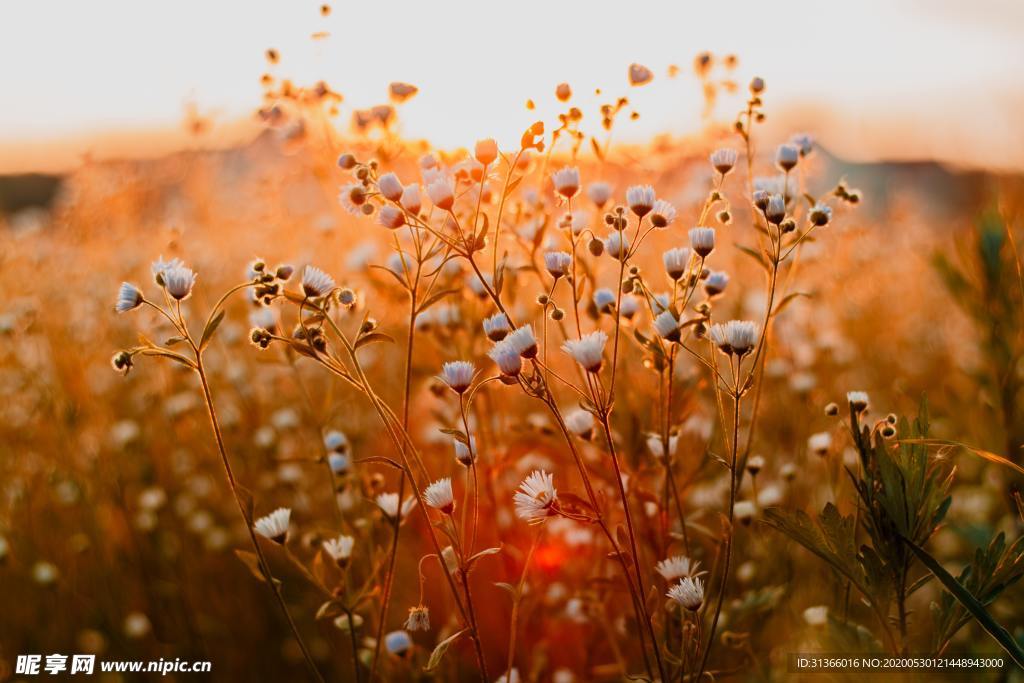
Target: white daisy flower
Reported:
[(536, 497), (656, 445), (458, 375), (716, 282), (335, 440), (397, 642), (339, 549), (523, 341), (677, 567), (723, 160), (339, 463), (390, 186), (566, 182), (604, 300), (819, 443), (179, 281), (275, 525), (578, 222), (820, 214), (496, 327), (640, 199), (617, 245), (390, 217), (689, 593), (735, 336), (702, 240), (804, 142), (507, 358), (599, 193), (442, 192), (466, 453), (580, 422), (160, 265), (410, 199), (557, 263), (775, 212), (629, 306), (787, 157), (439, 496), (744, 510), (857, 399), (128, 298), (662, 214), (677, 261), (588, 351), (316, 282), (352, 197), (388, 503), (667, 326)]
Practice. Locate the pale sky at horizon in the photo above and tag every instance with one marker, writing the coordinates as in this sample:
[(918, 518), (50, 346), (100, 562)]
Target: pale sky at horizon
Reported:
[(85, 67)]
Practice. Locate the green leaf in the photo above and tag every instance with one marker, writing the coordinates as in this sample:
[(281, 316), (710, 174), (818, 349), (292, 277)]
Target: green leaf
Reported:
[(211, 327), (434, 298), (441, 649), (970, 603), (483, 553)]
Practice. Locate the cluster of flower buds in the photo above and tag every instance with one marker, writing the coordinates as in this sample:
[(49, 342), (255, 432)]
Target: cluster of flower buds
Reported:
[(314, 336), (267, 283)]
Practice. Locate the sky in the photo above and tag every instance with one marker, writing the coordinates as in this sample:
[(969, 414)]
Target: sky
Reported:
[(918, 78)]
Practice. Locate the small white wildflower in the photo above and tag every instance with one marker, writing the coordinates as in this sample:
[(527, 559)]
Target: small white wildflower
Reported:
[(857, 399), (179, 281), (689, 593), (458, 375), (775, 212), (390, 217), (439, 496), (496, 327), (604, 300), (581, 423), (160, 266), (820, 214), (465, 453), (744, 511), (578, 222), (802, 141), (588, 351), (787, 157), (702, 240), (442, 193), (339, 463), (536, 497), (398, 642), (677, 567), (128, 298), (755, 464), (723, 160), (510, 676), (735, 336), (316, 282), (390, 186), (410, 199), (388, 503), (275, 525), (629, 306), (335, 440), (662, 214), (716, 282), (599, 193), (667, 326), (557, 263), (819, 443), (640, 199), (339, 549), (507, 358), (677, 261), (523, 341), (617, 245), (566, 181), (352, 197)]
